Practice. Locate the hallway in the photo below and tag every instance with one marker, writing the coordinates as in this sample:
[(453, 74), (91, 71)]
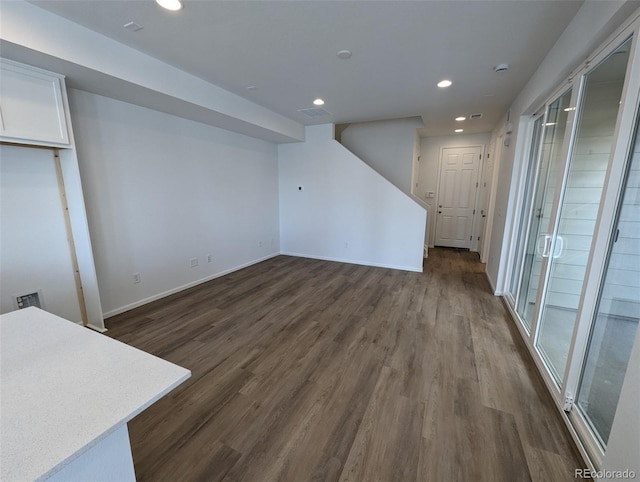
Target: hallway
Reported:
[(314, 370)]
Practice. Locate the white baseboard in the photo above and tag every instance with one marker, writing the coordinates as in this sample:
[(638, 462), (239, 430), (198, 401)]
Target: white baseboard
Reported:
[(354, 261), (172, 291), (493, 286)]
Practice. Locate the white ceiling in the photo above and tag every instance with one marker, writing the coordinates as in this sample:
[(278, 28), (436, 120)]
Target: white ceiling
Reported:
[(401, 49)]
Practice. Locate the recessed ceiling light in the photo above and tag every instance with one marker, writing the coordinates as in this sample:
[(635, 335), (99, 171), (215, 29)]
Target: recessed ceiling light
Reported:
[(569, 109), (344, 54), (172, 5), (251, 87), (501, 67), (459, 130), (461, 118), (318, 102), (444, 83)]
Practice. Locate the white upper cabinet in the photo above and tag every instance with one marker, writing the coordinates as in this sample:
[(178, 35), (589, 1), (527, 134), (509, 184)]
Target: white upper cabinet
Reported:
[(32, 107)]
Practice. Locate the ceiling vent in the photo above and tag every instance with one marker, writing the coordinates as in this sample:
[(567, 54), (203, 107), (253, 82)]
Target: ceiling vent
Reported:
[(475, 116), (314, 112), (133, 26)]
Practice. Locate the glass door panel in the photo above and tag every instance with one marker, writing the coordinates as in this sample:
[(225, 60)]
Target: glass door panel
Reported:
[(569, 251), (616, 320), (546, 181), (525, 214)]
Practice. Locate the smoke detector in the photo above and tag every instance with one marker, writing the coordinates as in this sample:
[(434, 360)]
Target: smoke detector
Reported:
[(501, 68)]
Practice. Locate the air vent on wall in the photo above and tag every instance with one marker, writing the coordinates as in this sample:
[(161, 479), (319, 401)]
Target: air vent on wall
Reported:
[(314, 112), (475, 116)]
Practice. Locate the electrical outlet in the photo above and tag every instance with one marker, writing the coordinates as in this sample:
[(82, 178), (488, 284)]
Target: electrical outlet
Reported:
[(209, 258), (136, 278), (194, 262), (259, 244), (346, 245)]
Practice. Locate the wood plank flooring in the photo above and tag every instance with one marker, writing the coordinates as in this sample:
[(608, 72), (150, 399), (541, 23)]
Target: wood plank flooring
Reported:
[(306, 370)]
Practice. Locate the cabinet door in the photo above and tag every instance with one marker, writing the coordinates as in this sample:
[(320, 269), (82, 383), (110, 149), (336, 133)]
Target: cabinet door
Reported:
[(31, 106)]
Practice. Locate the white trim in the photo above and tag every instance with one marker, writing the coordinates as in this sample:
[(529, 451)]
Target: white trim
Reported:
[(511, 213), (581, 426), (492, 284), (488, 228), (353, 261), (475, 226), (524, 218), (526, 128), (172, 291)]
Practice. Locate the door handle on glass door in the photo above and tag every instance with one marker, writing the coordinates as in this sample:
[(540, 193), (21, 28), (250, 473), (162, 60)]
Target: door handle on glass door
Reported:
[(559, 247), (545, 248)]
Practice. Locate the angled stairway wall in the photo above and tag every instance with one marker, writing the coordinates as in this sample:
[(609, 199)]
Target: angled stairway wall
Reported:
[(334, 206), (388, 146)]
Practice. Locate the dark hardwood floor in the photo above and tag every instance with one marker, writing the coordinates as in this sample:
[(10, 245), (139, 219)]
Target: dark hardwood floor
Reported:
[(306, 370)]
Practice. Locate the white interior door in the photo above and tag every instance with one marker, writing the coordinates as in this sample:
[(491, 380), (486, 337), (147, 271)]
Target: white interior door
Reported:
[(457, 196)]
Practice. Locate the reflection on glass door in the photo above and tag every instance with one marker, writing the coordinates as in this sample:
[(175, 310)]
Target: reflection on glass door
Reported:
[(579, 208), (546, 182), (618, 313)]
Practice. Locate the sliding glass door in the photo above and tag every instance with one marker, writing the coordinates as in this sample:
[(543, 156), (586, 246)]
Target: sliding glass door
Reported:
[(580, 200), (618, 311), (545, 183), (576, 298)]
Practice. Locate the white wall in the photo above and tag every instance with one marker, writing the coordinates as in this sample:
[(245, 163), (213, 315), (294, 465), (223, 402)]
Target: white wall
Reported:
[(387, 146), (345, 211), (429, 167), (591, 25), (34, 251), (161, 190)]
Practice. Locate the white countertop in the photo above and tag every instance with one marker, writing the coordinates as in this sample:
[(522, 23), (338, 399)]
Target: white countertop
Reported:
[(53, 404)]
